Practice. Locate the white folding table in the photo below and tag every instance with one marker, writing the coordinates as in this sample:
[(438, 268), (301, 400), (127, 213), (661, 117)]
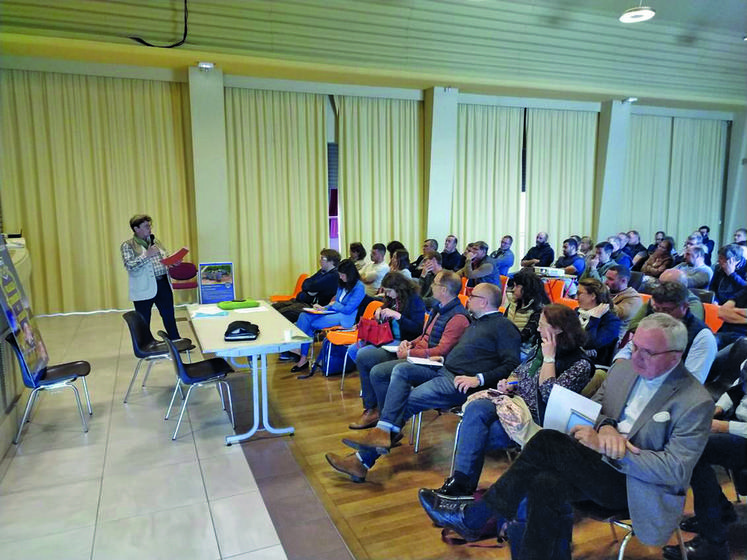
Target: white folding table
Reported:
[(276, 334)]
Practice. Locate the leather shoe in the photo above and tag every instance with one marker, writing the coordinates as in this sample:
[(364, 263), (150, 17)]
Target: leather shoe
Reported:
[(287, 356), (698, 549), (368, 419), (376, 439), (449, 513), (349, 465), (690, 525), (454, 489)]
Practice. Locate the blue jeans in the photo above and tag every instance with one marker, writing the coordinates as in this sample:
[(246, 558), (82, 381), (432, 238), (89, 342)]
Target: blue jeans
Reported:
[(408, 390), (481, 431), (310, 323), (367, 359)]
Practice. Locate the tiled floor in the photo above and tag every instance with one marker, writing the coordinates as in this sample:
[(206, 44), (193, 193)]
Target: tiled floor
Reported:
[(125, 490)]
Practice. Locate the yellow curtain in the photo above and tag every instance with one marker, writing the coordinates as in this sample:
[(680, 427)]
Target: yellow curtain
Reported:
[(674, 179), (487, 185), (382, 195), (277, 177), (80, 155), (560, 174)]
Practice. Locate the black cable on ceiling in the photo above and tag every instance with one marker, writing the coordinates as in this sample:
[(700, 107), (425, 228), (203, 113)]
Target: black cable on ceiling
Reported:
[(184, 35)]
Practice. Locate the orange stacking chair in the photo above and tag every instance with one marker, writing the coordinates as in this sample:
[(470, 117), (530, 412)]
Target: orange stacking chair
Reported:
[(299, 282), (711, 316)]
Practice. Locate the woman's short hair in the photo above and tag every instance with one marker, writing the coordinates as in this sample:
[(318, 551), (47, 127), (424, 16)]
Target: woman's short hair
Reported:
[(572, 335), (139, 219), (348, 268), (357, 248), (600, 292), (532, 288)]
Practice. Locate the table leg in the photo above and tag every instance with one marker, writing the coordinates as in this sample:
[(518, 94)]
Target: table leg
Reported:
[(238, 438), (266, 402)]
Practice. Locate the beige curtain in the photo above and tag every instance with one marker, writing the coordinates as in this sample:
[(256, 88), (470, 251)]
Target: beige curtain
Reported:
[(80, 155), (560, 148), (675, 176), (487, 185), (277, 175), (696, 186), (644, 203), (382, 195)]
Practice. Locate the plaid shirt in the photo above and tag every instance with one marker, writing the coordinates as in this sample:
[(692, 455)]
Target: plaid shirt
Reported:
[(133, 257)]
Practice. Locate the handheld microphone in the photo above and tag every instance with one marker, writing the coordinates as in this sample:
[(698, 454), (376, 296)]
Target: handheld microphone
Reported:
[(152, 239)]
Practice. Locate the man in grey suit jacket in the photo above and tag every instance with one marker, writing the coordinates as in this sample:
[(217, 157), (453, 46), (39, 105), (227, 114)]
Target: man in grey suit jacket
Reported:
[(652, 429)]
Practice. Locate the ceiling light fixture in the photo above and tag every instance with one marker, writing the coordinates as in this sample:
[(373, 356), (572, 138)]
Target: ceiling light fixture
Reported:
[(634, 15), (205, 66), (630, 100)]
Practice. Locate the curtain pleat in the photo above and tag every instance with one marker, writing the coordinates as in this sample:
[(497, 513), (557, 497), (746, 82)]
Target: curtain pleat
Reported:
[(277, 176), (487, 185), (80, 155), (560, 149), (382, 196), (675, 176)]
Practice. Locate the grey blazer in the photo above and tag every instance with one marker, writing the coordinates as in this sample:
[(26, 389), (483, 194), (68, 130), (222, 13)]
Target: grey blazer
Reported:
[(671, 433)]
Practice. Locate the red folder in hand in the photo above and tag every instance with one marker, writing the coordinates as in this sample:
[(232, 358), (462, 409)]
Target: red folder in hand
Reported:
[(176, 257)]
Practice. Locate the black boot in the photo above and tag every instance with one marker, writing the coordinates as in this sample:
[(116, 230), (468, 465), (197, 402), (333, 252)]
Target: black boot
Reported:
[(457, 485)]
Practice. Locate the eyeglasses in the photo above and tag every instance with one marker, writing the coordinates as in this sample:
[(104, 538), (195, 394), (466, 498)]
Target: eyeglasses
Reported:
[(476, 296), (649, 354)]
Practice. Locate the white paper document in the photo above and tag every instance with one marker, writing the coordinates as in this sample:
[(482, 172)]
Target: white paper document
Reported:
[(566, 409), (390, 348), (435, 362), (208, 311)]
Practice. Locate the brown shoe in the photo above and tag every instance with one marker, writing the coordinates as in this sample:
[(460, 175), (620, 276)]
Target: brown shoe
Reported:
[(368, 419), (349, 465), (376, 438)]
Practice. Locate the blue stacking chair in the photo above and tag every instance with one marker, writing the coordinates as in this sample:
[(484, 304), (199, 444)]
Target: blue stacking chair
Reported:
[(198, 374), (50, 378)]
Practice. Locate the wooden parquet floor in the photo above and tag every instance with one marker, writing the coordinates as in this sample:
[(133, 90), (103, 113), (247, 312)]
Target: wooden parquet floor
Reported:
[(381, 518)]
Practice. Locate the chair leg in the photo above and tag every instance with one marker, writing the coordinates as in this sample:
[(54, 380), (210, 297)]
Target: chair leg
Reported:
[(230, 403), (80, 407), (614, 533), (181, 414), (344, 367), (173, 396), (329, 357), (220, 392), (132, 381), (88, 396), (147, 372), (456, 442), (626, 540), (681, 542), (29, 405), (417, 434)]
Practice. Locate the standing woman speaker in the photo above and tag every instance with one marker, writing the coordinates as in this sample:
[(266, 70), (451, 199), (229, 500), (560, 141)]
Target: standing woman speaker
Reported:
[(148, 276)]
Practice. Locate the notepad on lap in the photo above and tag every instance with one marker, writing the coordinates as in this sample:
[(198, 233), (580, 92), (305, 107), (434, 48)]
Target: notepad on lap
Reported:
[(435, 362), (390, 348), (318, 311)]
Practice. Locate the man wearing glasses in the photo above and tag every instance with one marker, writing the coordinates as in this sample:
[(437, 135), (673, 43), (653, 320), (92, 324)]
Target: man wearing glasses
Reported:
[(639, 455)]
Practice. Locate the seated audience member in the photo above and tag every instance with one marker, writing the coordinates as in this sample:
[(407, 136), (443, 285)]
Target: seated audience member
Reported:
[(504, 256), (601, 324), (626, 301), (708, 245), (318, 288), (598, 265), (523, 309), (541, 254), (571, 261), (700, 351), (634, 246), (660, 260), (698, 273), (402, 307), (400, 262), (373, 272), (486, 353), (618, 255), (627, 460), (693, 302), (480, 267), (726, 447), (694, 239), (393, 246), (585, 246), (431, 267), (734, 315), (445, 326), (740, 237), (451, 259), (357, 254), (658, 238), (344, 305), (416, 268), (559, 359), (729, 277)]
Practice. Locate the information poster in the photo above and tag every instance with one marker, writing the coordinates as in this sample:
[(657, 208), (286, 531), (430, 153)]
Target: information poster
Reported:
[(216, 282), (17, 312)]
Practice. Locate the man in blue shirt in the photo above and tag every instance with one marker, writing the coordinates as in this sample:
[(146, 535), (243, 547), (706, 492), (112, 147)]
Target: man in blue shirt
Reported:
[(571, 261), (504, 256)]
